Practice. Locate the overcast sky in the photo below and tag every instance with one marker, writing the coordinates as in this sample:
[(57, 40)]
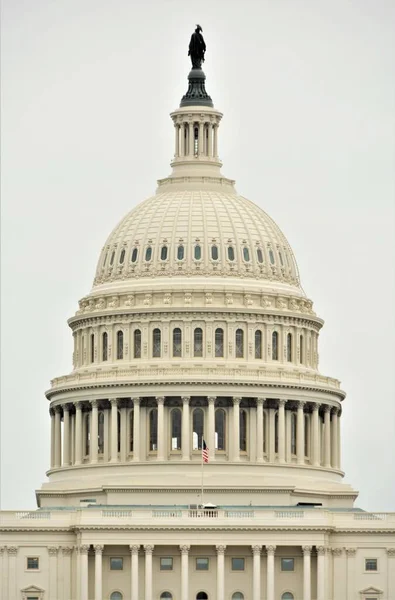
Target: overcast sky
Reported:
[(307, 90)]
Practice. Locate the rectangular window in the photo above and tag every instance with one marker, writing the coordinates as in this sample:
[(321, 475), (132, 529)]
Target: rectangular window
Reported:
[(202, 564), (237, 564), (370, 564), (32, 562), (287, 564), (116, 564), (166, 563), (32, 598)]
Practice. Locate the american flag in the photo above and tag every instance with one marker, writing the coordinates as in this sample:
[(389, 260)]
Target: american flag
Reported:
[(204, 452)]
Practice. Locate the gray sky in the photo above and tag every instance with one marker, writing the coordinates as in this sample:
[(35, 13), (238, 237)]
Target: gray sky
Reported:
[(307, 90)]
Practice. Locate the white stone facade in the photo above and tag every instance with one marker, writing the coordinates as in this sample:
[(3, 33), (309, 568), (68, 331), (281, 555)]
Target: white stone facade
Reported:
[(196, 330)]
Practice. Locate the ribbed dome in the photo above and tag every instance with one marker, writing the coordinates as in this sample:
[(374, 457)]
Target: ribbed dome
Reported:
[(202, 233)]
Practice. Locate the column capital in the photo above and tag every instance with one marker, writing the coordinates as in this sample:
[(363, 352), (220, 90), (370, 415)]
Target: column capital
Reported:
[(270, 550), (351, 551), (236, 400), (337, 551), (256, 550), (84, 549), (67, 407), (148, 549), (220, 549), (321, 550), (51, 411), (12, 550), (2, 549), (282, 402), (316, 406), (327, 408), (114, 402), (98, 548), (211, 400), (136, 401), (53, 550), (260, 401), (185, 399), (94, 403), (301, 404), (58, 410), (335, 410), (391, 552), (185, 549), (78, 405), (306, 550), (160, 400), (134, 549), (67, 550)]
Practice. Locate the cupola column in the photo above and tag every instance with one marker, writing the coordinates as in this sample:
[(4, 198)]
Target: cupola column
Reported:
[(78, 433), (66, 434), (114, 430), (316, 438), (335, 458), (210, 141), (177, 140), (327, 436), (259, 429), (281, 431), (161, 428), (58, 437), (339, 461), (236, 428), (300, 433), (136, 429), (94, 431), (211, 427), (52, 414), (185, 435), (215, 134)]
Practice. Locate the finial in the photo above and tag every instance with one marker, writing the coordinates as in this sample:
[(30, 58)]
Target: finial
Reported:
[(196, 94)]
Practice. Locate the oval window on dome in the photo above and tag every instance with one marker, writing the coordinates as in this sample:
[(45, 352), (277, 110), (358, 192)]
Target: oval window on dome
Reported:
[(281, 258), (112, 258), (198, 252), (163, 253), (148, 254), (122, 257), (231, 253), (259, 255), (214, 252), (271, 256), (180, 252), (134, 255), (246, 254)]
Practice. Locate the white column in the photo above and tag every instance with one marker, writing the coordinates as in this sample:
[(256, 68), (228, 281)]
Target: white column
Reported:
[(306, 572), (183, 145), (124, 429), (94, 431), (134, 573), (66, 552), (339, 574), (211, 427), (2, 576), (191, 140), (185, 433), (300, 433), (334, 431), (66, 434), (99, 572), (52, 414), (391, 572), (114, 430), (84, 572), (77, 573), (256, 572), (316, 435), (136, 429), (148, 571), (58, 437), (210, 140), (78, 433), (351, 552), (220, 572), (236, 429), (339, 446), (259, 429), (270, 550), (184, 572), (12, 551), (215, 135), (327, 436), (281, 431), (177, 140), (321, 573), (272, 435), (53, 574), (161, 427)]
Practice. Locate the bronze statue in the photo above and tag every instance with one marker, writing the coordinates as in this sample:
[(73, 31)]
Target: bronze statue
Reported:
[(197, 48)]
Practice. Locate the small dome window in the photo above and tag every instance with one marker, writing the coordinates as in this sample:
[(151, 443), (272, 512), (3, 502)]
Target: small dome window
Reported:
[(112, 257), (180, 252), (246, 254), (198, 252), (134, 255), (231, 253), (259, 255), (148, 254), (271, 256), (122, 257), (214, 252), (281, 259), (163, 253)]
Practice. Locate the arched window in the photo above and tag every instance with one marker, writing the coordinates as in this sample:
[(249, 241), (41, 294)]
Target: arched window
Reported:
[(119, 345), (156, 343), (175, 427), (259, 255), (219, 342), (231, 253), (276, 432), (122, 256), (105, 346), (100, 433), (237, 596), (197, 429), (118, 431), (177, 345), (166, 596), (163, 253), (195, 141), (92, 347), (220, 429), (153, 430), (271, 256), (201, 596), (137, 343), (289, 347), (287, 596), (306, 435), (214, 252), (148, 254), (116, 596), (301, 350), (246, 254), (274, 345), (198, 342), (134, 255), (112, 258), (87, 434), (293, 433), (198, 252), (180, 252), (258, 344), (131, 430), (243, 430), (239, 343)]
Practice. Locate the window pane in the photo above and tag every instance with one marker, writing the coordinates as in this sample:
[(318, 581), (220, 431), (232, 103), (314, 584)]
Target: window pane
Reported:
[(176, 429), (112, 258), (153, 430), (293, 433), (92, 347), (116, 596), (137, 343), (148, 254), (289, 347), (214, 252), (100, 437), (198, 252), (287, 564), (287, 596), (246, 254), (220, 422), (231, 253), (177, 346), (198, 419), (32, 562), (180, 253), (105, 347), (301, 349), (166, 596), (122, 257), (238, 596), (371, 564), (131, 428), (258, 344), (237, 564), (163, 253), (134, 255), (116, 564), (219, 342), (156, 341), (87, 434), (271, 256), (239, 343), (120, 345), (198, 342), (275, 346), (166, 564), (243, 430), (202, 564), (259, 255)]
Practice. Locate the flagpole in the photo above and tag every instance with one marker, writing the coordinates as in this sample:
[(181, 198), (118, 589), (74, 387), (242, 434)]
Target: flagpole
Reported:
[(202, 474)]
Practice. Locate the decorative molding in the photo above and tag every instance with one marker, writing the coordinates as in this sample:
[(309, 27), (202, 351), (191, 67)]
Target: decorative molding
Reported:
[(84, 549), (391, 552), (12, 550), (220, 549), (321, 550), (67, 550), (351, 551), (53, 550), (184, 549)]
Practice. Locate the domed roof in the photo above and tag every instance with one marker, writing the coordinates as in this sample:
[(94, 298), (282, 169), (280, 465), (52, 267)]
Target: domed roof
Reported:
[(201, 233)]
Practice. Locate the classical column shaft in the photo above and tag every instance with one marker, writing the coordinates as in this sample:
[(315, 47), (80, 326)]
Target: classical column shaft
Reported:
[(335, 458), (339, 446), (98, 573), (316, 438), (351, 552), (53, 572), (211, 427), (306, 572), (161, 428), (148, 572), (84, 572), (185, 435), (300, 433), (391, 572), (94, 432), (58, 438), (327, 437), (177, 140), (236, 429), (184, 572), (114, 431), (12, 552), (66, 551), (321, 573), (256, 573), (52, 413), (210, 140), (259, 430), (66, 435), (78, 433), (215, 136), (134, 572), (281, 431), (220, 573), (270, 573)]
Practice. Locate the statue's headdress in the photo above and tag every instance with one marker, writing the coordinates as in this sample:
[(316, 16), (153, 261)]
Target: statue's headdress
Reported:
[(199, 27)]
